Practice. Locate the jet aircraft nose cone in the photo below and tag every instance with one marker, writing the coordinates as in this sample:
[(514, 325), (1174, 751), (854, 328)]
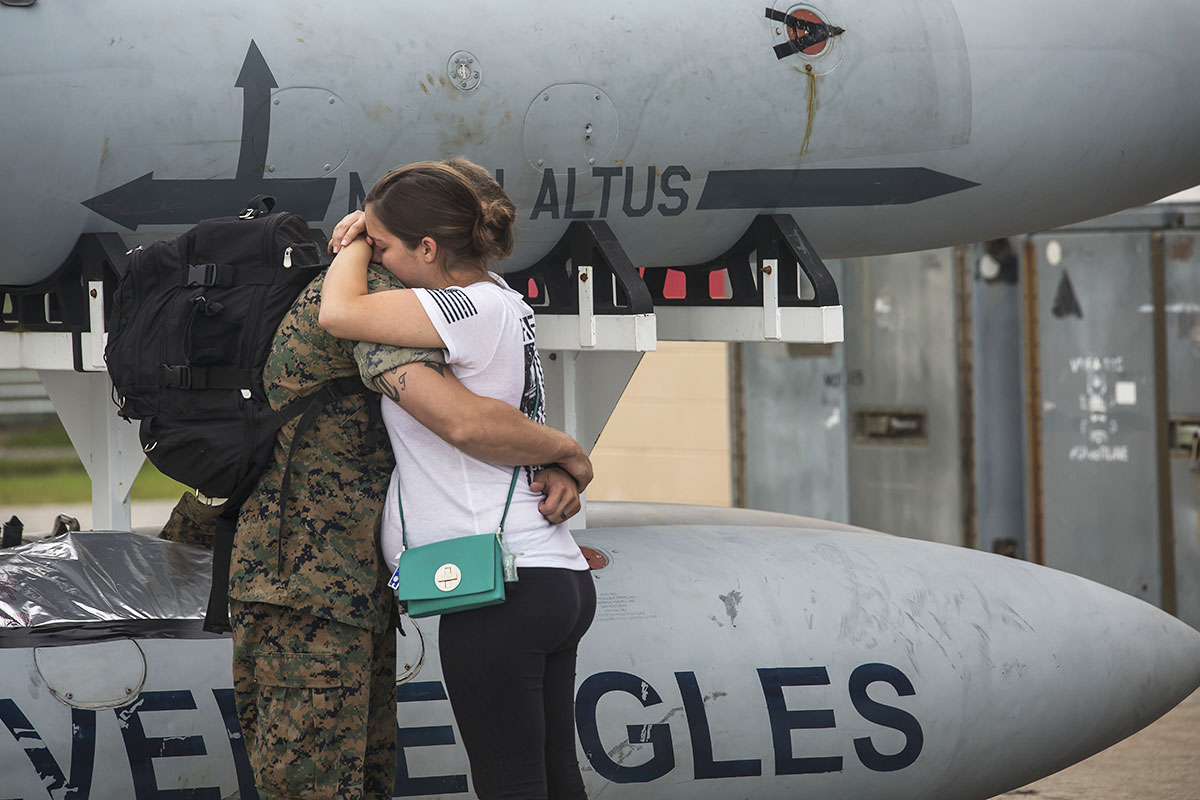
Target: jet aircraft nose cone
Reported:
[(915, 670)]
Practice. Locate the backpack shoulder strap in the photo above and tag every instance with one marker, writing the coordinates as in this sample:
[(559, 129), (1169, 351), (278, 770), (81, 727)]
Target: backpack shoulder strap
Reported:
[(216, 619)]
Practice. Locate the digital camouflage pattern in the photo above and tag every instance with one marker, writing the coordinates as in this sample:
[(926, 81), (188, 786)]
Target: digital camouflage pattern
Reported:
[(192, 521), (314, 654), (326, 560), (317, 704), (375, 359)]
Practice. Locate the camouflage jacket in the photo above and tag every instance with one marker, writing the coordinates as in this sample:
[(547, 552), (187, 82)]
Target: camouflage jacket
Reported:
[(326, 562)]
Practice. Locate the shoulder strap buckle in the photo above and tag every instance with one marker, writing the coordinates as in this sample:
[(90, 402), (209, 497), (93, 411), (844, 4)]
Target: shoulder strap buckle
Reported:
[(181, 376), (209, 275)]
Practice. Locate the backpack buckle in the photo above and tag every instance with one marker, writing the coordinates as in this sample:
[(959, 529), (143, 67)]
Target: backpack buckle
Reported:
[(209, 275), (181, 377)]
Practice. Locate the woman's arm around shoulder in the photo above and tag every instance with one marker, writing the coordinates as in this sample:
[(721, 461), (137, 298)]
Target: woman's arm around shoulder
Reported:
[(348, 311), (483, 427)]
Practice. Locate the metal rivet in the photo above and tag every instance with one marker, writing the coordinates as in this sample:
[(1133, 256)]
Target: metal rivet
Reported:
[(591, 161), (328, 167), (70, 696), (463, 84), (93, 293), (583, 277), (766, 270), (331, 101), (554, 356), (808, 67), (597, 97), (129, 691), (476, 75), (545, 97), (276, 101), (470, 61), (541, 161)]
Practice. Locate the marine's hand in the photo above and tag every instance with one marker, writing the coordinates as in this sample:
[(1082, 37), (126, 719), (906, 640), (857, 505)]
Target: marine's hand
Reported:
[(561, 499), (350, 228), (579, 466)]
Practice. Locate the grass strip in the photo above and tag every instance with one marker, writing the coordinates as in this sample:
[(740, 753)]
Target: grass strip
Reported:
[(33, 483)]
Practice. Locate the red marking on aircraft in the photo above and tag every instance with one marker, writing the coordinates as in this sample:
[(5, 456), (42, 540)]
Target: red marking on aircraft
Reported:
[(595, 559), (804, 15)]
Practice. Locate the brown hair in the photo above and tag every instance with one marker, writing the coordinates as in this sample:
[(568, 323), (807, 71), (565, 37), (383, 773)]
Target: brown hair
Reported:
[(444, 202), (500, 213)]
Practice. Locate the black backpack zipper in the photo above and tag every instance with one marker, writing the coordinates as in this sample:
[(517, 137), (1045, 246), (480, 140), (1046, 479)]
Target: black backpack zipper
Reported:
[(273, 258), (130, 284)]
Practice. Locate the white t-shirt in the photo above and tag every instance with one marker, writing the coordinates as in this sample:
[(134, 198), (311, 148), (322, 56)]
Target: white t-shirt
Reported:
[(489, 334)]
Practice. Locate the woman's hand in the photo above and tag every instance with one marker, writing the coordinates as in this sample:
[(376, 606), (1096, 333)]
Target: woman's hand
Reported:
[(561, 499), (350, 228)]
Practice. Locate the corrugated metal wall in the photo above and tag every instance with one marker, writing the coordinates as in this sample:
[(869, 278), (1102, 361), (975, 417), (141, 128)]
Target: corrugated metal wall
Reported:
[(1034, 397)]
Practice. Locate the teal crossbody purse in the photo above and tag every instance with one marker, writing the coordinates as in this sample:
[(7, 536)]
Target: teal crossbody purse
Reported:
[(454, 575)]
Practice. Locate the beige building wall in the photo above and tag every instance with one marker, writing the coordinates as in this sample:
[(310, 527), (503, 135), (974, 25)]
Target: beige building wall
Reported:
[(668, 439)]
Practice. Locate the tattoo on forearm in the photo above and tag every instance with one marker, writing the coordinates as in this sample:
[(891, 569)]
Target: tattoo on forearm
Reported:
[(440, 369), (385, 388)]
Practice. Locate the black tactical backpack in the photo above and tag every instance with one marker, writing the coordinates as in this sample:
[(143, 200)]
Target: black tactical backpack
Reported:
[(191, 325)]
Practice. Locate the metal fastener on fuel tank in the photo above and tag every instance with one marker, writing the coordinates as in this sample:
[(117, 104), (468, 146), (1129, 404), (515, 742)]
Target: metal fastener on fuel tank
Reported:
[(464, 71)]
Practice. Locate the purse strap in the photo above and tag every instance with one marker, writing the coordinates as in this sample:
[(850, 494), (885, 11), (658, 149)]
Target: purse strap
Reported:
[(507, 504), (499, 531)]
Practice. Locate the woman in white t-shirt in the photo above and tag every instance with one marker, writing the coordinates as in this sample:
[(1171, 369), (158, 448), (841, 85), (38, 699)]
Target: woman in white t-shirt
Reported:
[(510, 668)]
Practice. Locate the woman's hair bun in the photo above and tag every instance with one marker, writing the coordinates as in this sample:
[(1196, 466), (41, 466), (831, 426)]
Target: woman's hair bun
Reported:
[(499, 214), (499, 218)]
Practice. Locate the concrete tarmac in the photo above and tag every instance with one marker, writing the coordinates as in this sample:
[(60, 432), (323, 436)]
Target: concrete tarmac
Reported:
[(39, 519), (1160, 762)]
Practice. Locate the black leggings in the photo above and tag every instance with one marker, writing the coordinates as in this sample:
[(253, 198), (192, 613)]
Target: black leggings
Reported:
[(510, 674)]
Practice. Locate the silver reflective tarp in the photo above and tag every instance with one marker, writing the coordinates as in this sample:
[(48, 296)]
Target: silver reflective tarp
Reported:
[(101, 576)]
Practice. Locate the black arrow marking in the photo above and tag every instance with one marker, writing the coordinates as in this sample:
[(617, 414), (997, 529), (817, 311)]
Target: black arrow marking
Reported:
[(824, 188), (1066, 302), (807, 33), (145, 201), (256, 82)]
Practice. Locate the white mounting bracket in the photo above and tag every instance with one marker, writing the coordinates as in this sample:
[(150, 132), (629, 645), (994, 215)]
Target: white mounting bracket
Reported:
[(107, 445)]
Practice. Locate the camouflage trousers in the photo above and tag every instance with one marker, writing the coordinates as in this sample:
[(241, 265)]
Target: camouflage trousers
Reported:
[(317, 703)]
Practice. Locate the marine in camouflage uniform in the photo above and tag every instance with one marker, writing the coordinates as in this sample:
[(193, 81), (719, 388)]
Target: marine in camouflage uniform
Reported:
[(314, 660)]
